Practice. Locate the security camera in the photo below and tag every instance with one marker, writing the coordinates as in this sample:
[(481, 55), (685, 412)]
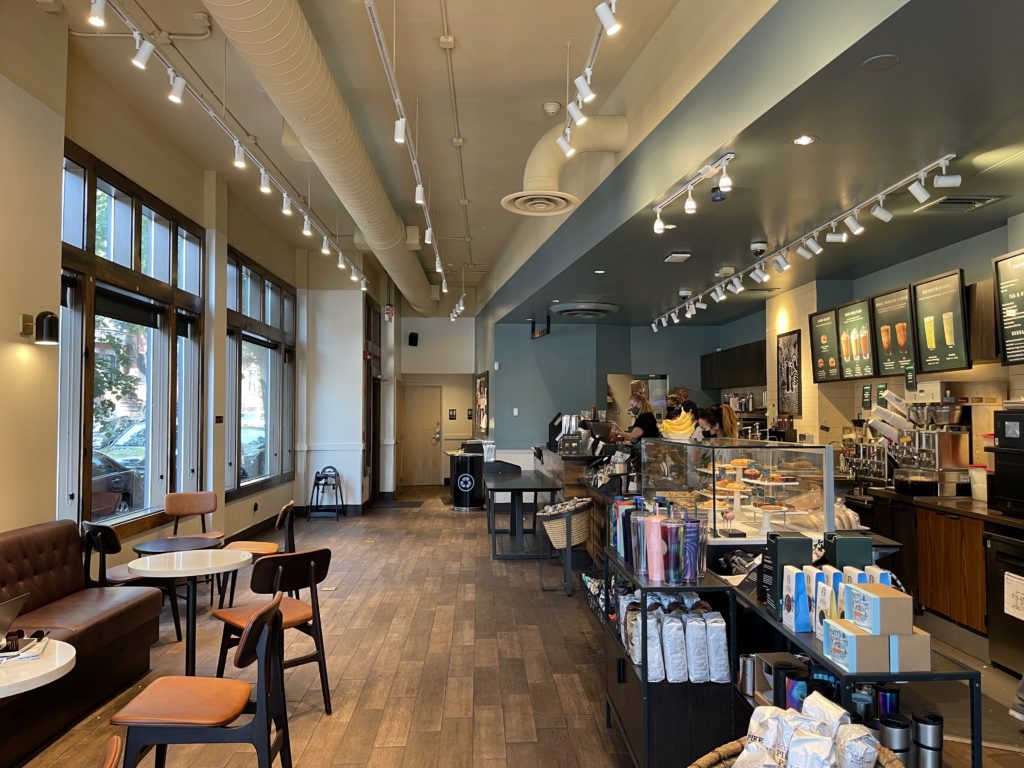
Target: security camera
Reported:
[(717, 195), (759, 247)]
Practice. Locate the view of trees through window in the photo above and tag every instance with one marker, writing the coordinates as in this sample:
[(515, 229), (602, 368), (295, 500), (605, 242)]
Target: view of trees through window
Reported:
[(255, 410)]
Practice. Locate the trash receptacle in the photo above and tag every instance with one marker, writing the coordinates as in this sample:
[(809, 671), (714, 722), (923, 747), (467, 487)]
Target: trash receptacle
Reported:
[(467, 480)]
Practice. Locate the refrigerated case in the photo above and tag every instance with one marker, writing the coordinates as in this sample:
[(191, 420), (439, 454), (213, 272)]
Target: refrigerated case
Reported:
[(745, 488)]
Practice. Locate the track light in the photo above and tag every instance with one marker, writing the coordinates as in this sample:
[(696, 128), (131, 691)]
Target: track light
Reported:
[(853, 225), (355, 275), (946, 180), (690, 311), (917, 189), (419, 197), (835, 237), (690, 206), (264, 182), (97, 13), (307, 230), (286, 204), (675, 316), (141, 58), (608, 20), (664, 321), (362, 285), (780, 263), (444, 285), (725, 180), (699, 303), (428, 236), (563, 144), (659, 225), (654, 326), (177, 87), (437, 265), (758, 275), (736, 284), (400, 131), (718, 294), (576, 113), (813, 244), (583, 88), (801, 250), (880, 212), (325, 248), (239, 161), (341, 260)]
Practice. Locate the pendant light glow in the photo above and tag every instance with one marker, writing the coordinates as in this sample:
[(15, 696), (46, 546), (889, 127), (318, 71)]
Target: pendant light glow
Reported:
[(141, 58), (584, 89), (307, 230), (97, 13), (853, 225), (177, 88), (286, 204), (608, 20), (577, 114), (690, 206), (239, 161), (325, 248), (264, 182)]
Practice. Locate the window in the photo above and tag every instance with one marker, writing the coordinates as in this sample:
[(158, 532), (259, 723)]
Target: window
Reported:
[(187, 405), (72, 230), (230, 410), (289, 315), (288, 413), (252, 294), (232, 284), (113, 224), (190, 262), (254, 409), (272, 311), (156, 245)]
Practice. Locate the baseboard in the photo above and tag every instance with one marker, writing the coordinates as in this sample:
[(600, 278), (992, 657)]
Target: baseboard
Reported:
[(387, 496), (325, 512), (247, 534)]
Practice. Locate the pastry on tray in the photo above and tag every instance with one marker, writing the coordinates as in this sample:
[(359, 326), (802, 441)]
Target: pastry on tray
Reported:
[(751, 474)]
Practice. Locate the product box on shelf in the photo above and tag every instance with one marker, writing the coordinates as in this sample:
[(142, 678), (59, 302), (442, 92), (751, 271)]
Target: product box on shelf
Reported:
[(783, 549), (842, 549), (853, 575), (824, 607), (795, 609), (879, 609), (833, 576), (878, 575), (910, 653), (853, 649), (812, 576)]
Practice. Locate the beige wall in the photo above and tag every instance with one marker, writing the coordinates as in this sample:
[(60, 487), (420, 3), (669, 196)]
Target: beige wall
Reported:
[(457, 393)]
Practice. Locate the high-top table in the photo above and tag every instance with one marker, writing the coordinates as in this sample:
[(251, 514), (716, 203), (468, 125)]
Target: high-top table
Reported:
[(189, 565), (18, 676), (529, 481)]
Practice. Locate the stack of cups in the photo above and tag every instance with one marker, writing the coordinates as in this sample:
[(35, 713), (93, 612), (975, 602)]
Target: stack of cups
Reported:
[(927, 746), (894, 733)]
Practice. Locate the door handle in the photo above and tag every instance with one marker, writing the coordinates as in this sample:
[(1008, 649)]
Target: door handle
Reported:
[(437, 433)]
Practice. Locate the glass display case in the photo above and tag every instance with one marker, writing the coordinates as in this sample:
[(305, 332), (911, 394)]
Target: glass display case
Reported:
[(744, 488)]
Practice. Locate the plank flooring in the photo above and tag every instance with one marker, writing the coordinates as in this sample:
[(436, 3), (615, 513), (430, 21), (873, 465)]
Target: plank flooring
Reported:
[(438, 656)]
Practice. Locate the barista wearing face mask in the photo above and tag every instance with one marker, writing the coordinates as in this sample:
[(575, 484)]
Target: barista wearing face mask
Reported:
[(644, 422)]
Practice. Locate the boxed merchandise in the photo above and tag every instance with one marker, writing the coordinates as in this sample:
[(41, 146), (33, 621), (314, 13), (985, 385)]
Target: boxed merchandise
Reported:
[(878, 575), (852, 549), (910, 653), (812, 576), (833, 575), (824, 608), (782, 549), (879, 609), (853, 575), (795, 614), (854, 649)]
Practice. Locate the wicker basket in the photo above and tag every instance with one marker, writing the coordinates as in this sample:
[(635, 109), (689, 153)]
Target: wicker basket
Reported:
[(726, 755), (579, 530)]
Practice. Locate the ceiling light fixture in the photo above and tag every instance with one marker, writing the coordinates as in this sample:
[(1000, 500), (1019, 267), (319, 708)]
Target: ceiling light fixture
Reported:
[(325, 248), (654, 326), (599, 271), (437, 265), (664, 321), (725, 180), (758, 275), (400, 130), (355, 275), (239, 161), (428, 236), (341, 260), (141, 58), (675, 316), (659, 225), (690, 311), (945, 180), (686, 188), (563, 144), (363, 285), (307, 230), (444, 285), (582, 84), (419, 196), (736, 284), (286, 204), (690, 206), (802, 251), (699, 303), (718, 294), (917, 189), (606, 13), (813, 244), (880, 212), (853, 224), (836, 237), (97, 13), (264, 182), (804, 140), (780, 263), (177, 87), (576, 113)]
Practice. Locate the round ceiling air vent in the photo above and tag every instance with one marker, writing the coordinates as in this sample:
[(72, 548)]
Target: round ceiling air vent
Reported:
[(584, 310), (539, 202)]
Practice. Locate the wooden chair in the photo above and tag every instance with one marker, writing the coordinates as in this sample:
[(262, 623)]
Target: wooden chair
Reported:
[(285, 573), (204, 710), (103, 540), (111, 752), (259, 549), (192, 504)]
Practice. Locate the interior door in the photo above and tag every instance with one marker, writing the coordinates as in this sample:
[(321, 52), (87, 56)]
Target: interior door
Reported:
[(421, 435)]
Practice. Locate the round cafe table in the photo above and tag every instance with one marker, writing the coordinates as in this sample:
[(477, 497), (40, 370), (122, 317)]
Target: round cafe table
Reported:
[(176, 544), (17, 676), (189, 565)]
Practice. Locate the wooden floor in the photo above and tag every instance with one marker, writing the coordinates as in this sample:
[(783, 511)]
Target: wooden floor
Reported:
[(437, 657)]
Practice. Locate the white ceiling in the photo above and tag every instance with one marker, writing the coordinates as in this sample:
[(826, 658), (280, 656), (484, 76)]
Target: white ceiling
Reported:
[(509, 58)]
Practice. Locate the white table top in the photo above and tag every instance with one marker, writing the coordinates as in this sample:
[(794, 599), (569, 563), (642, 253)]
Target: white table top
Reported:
[(18, 676), (198, 562)]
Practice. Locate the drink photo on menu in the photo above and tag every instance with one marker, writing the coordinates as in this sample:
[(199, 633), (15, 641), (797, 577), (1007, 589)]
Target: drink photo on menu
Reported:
[(856, 340), (941, 331), (891, 313)]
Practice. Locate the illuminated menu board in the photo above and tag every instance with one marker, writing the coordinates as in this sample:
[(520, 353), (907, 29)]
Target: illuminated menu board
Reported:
[(856, 358), (824, 347), (894, 339), (1010, 295), (940, 331)]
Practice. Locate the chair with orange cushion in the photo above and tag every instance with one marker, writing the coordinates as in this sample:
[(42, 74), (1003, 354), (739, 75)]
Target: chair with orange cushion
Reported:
[(292, 572), (260, 548), (205, 710), (192, 504), (111, 752)]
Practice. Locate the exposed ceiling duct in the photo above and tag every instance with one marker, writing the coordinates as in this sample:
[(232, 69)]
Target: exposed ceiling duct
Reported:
[(275, 40), (541, 195)]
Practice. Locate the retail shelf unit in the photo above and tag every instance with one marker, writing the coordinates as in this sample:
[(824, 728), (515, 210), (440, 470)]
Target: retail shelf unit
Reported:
[(744, 488), (667, 724)]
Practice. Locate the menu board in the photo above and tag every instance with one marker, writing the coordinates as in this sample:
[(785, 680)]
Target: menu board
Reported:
[(855, 342), (825, 347), (1010, 295), (940, 333), (894, 339)]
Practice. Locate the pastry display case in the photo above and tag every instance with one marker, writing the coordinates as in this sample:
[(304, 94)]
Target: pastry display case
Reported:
[(744, 488)]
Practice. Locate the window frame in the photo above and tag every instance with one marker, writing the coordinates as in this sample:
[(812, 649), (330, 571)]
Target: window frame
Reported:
[(87, 271)]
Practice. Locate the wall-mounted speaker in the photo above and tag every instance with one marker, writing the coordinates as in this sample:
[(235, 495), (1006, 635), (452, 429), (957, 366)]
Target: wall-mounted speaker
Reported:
[(414, 339)]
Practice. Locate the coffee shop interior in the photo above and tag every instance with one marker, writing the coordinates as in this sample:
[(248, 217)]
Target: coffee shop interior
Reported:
[(401, 383)]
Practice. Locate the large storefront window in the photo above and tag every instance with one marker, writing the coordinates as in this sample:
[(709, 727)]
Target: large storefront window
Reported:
[(254, 416)]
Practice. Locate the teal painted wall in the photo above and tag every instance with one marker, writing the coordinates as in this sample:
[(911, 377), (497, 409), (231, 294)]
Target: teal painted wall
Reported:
[(676, 351)]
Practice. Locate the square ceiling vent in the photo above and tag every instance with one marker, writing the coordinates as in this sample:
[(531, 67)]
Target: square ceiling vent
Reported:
[(959, 203), (677, 257)]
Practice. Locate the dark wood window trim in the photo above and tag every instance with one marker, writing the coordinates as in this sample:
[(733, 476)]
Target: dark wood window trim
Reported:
[(258, 486)]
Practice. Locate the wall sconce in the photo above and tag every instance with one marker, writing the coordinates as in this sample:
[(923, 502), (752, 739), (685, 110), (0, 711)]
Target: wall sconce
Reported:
[(43, 329)]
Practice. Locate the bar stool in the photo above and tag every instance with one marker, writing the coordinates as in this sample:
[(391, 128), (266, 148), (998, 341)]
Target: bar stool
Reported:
[(325, 481), (192, 504), (260, 548), (111, 752)]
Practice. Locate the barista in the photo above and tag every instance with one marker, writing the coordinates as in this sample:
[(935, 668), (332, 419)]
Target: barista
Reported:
[(645, 423), (719, 421)]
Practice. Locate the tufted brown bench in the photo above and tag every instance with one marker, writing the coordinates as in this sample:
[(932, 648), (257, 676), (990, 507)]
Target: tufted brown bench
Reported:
[(111, 629)]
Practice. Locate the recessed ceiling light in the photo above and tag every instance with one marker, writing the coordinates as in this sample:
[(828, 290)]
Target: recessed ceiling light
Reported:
[(804, 140), (880, 62), (677, 257), (555, 301), (598, 271)]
